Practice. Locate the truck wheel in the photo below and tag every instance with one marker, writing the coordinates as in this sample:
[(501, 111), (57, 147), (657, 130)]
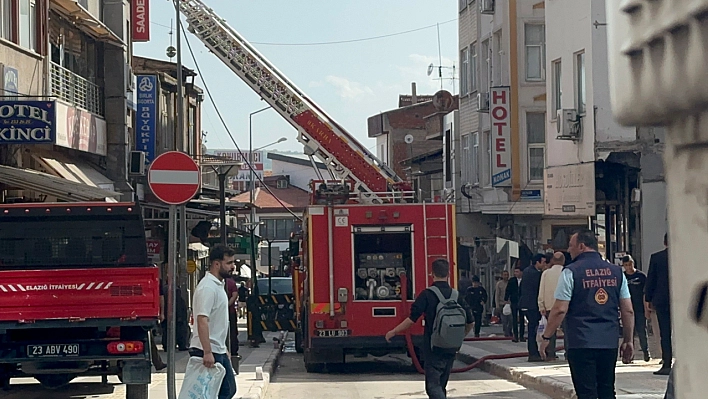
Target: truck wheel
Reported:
[(298, 342), (136, 391), (314, 367)]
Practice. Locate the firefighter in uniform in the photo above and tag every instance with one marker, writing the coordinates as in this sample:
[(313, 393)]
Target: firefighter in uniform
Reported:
[(589, 293)]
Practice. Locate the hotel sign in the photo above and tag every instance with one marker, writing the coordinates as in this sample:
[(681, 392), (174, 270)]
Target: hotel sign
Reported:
[(27, 122)]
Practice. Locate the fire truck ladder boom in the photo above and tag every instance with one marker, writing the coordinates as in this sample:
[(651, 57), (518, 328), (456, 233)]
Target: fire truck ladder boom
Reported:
[(339, 150)]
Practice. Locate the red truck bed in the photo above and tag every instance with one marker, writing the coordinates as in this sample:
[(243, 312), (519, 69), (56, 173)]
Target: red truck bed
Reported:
[(127, 292)]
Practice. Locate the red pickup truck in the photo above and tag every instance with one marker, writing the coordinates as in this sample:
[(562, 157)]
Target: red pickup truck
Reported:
[(77, 294)]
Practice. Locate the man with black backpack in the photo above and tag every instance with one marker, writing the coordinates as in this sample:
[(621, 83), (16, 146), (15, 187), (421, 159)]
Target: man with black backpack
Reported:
[(447, 321)]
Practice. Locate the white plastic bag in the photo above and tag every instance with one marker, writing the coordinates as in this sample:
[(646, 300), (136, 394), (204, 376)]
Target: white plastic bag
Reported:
[(541, 329), (201, 382), (506, 311)]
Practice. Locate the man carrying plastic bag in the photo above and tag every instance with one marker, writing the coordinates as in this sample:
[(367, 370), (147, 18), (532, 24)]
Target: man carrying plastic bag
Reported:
[(201, 382), (211, 311)]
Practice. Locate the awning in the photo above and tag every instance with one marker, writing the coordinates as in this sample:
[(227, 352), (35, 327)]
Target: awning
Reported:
[(201, 249), (75, 171), (65, 190), (84, 20)]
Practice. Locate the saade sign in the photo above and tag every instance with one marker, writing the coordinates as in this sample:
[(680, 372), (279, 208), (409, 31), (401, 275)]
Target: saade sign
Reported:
[(27, 122)]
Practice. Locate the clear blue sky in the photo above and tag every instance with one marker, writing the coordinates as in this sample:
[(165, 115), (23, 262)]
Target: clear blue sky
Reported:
[(350, 81)]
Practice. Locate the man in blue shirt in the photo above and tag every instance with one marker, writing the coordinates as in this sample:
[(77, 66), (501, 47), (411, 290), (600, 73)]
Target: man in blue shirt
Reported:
[(589, 293)]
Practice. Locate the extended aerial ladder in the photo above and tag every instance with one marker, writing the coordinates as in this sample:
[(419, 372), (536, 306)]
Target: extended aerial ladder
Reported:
[(345, 157)]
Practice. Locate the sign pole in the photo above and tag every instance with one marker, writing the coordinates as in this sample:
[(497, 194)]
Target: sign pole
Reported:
[(171, 304)]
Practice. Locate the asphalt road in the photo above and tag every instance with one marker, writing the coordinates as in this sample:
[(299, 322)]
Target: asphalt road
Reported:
[(389, 377)]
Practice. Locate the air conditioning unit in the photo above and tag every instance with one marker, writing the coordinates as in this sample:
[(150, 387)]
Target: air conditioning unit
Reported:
[(129, 79), (482, 102), (486, 7), (137, 163), (567, 124)]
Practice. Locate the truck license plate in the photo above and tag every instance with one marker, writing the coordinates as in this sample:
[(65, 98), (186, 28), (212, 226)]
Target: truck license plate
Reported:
[(53, 350), (332, 333)]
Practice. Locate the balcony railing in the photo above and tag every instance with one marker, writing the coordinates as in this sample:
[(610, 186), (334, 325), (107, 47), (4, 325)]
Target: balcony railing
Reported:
[(77, 91)]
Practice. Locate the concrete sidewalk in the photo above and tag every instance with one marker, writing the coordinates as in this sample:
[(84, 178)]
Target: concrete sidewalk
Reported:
[(249, 385), (633, 381)]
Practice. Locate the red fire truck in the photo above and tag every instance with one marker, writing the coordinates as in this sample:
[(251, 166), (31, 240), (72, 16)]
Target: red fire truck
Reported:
[(77, 296), (364, 236)]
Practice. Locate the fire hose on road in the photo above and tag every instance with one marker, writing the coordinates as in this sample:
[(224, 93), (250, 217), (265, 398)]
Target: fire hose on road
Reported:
[(479, 362)]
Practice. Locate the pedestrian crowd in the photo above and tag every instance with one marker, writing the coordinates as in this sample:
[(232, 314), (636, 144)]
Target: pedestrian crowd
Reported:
[(599, 307)]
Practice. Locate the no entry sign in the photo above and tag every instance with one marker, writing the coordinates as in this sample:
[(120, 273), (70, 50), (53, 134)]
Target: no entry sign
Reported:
[(174, 178)]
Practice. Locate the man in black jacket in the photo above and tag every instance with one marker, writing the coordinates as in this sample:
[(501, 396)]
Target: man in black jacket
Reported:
[(476, 297), (528, 302), (658, 296), (511, 296), (438, 361)]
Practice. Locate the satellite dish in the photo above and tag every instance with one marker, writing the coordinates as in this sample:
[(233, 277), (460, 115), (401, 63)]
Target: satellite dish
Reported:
[(431, 67), (408, 139)]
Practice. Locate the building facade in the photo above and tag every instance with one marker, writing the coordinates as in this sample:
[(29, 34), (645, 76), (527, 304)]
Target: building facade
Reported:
[(498, 139), (71, 63), (599, 174)]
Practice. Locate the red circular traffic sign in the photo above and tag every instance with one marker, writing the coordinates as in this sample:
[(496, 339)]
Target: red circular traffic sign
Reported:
[(174, 178)]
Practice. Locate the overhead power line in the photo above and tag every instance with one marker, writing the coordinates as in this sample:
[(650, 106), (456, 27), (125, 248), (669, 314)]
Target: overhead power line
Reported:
[(327, 43)]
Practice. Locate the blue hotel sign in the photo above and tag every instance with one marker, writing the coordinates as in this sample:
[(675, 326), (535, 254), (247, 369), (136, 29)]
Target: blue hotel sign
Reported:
[(28, 122), (146, 131)]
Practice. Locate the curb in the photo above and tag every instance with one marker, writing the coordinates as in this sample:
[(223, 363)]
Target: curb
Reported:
[(553, 389), (269, 367)]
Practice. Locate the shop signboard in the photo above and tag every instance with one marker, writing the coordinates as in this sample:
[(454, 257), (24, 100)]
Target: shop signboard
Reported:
[(80, 129), (27, 122), (570, 190), (146, 129), (141, 20), (499, 110)]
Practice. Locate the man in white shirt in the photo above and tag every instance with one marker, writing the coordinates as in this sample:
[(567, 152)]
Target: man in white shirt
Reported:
[(211, 311), (546, 292)]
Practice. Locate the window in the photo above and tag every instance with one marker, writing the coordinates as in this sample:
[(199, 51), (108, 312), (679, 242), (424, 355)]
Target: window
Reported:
[(281, 184), (580, 86), (28, 24), (466, 162), (5, 19), (497, 59), (473, 68), (475, 158), (464, 71), (557, 92), (463, 4), (536, 142), (486, 167), (484, 69), (535, 37), (277, 229)]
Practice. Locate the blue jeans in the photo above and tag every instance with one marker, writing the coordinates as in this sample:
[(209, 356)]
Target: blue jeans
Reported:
[(228, 385)]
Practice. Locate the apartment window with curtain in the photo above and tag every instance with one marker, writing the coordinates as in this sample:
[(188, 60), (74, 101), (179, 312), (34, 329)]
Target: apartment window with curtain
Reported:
[(497, 59), (557, 92), (5, 19), (473, 68), (536, 143), (535, 39), (580, 84), (464, 71), (28, 24), (486, 167), (484, 67), (475, 158), (465, 160)]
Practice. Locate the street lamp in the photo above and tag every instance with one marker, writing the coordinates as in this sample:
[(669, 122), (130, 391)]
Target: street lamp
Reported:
[(280, 140), (256, 334)]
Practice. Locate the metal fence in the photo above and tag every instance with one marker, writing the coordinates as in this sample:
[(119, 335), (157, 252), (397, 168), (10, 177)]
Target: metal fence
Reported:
[(77, 91)]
